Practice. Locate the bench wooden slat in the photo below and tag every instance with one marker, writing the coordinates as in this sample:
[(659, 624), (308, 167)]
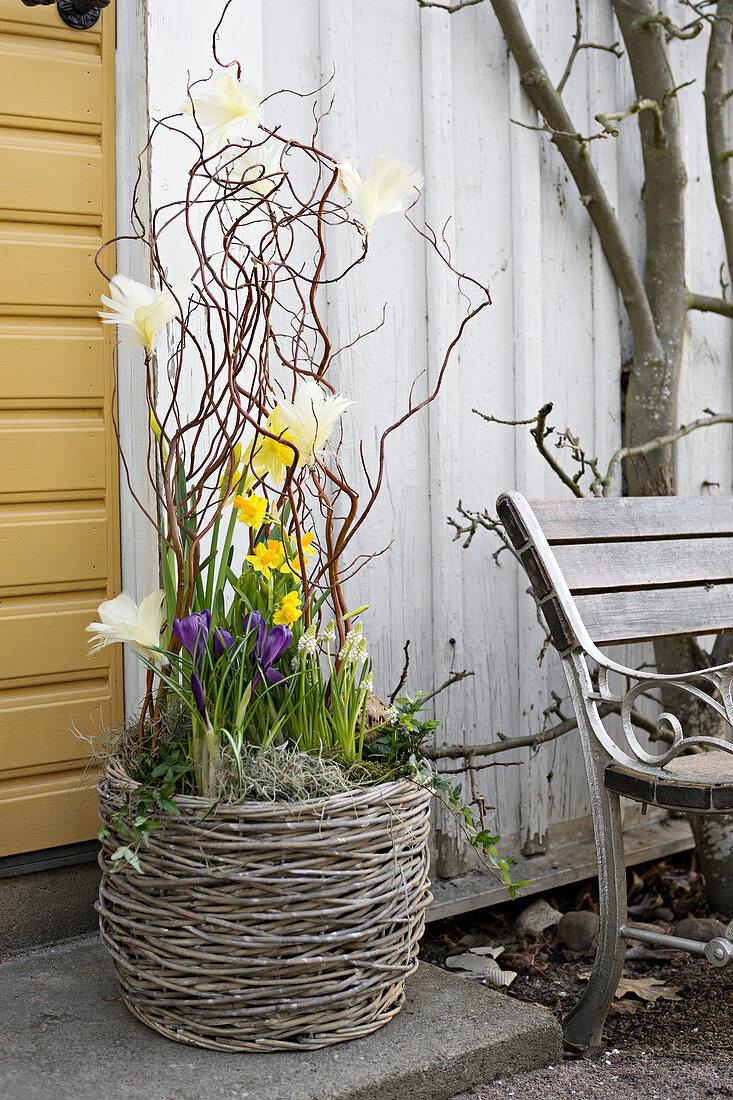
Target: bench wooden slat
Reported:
[(615, 617), (642, 563), (633, 517)]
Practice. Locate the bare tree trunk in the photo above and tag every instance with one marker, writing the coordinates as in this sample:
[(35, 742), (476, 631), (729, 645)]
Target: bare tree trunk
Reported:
[(651, 400)]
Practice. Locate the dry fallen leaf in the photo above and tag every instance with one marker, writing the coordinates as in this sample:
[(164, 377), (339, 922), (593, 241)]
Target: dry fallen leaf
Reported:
[(481, 967), (469, 960), (646, 989)]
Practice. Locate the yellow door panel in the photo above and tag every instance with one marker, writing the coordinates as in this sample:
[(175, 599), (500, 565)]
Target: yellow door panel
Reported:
[(44, 811), (43, 22), (49, 267), (38, 729), (60, 456), (70, 88), (79, 541), (59, 506), (51, 173), (46, 362), (48, 639)]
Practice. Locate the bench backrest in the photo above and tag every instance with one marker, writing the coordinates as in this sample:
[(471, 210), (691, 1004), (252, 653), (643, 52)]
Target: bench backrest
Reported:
[(637, 568)]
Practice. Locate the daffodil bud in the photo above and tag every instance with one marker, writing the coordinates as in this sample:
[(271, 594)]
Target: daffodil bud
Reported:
[(157, 432)]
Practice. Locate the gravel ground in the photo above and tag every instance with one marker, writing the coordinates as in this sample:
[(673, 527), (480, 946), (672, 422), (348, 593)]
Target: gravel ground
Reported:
[(620, 1077), (679, 1049)]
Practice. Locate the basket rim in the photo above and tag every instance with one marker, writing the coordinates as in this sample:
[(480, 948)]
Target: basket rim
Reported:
[(115, 773)]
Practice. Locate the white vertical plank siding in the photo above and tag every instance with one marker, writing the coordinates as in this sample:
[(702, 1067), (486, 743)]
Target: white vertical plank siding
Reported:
[(439, 91), (139, 556), (526, 153), (444, 416), (373, 114), (485, 453)]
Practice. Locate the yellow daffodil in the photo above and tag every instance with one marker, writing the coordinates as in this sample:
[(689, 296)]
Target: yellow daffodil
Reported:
[(266, 557), (381, 191), (291, 563), (289, 610), (271, 457), (252, 510)]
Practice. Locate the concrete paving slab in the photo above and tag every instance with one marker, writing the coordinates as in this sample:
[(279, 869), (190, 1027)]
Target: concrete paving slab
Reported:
[(65, 1034)]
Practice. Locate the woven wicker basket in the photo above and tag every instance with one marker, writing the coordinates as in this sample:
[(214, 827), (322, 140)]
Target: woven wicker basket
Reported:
[(269, 926)]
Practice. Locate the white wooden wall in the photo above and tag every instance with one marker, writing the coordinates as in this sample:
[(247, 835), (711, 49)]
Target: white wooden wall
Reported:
[(440, 91)]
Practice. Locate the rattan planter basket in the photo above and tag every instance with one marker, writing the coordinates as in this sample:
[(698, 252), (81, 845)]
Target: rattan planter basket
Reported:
[(269, 926)]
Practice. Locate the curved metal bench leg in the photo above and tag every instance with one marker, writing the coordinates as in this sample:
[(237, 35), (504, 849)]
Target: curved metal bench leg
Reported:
[(583, 1026)]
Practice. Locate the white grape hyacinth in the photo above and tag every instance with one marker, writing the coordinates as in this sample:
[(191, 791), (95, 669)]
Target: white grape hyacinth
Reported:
[(384, 188), (140, 311), (228, 112), (308, 643), (310, 420), (123, 621), (354, 648)]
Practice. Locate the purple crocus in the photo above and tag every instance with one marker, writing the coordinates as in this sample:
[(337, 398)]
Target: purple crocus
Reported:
[(268, 648), (251, 622), (222, 641), (193, 634), (198, 694)]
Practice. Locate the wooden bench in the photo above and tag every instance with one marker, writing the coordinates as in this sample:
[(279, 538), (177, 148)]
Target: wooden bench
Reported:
[(606, 572)]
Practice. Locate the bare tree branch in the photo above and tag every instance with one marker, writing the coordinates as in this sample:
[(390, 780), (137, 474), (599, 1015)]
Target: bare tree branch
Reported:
[(403, 675), (452, 8), (638, 105), (716, 120), (579, 45), (582, 139), (540, 433), (690, 31), (506, 744), (601, 484), (710, 305), (454, 678), (660, 441), (607, 121)]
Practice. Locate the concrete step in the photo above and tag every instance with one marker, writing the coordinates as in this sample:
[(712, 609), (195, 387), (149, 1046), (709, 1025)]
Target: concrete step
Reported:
[(67, 1035)]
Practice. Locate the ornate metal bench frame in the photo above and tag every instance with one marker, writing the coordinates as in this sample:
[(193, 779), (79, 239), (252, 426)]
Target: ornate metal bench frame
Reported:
[(628, 768)]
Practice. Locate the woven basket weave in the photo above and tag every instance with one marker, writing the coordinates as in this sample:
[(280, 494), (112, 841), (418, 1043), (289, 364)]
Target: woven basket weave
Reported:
[(268, 926)]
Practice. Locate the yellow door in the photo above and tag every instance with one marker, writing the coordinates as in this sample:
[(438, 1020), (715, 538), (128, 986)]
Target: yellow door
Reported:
[(59, 525)]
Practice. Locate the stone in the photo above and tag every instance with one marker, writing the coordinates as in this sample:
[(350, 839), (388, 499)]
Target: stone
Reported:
[(536, 918), (68, 1036), (699, 928), (579, 931)]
